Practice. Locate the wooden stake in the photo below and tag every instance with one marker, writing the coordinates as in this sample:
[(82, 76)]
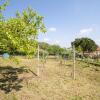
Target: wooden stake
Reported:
[(74, 62), (38, 69)]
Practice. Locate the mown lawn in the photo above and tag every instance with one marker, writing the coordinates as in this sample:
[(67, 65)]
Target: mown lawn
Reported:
[(55, 82)]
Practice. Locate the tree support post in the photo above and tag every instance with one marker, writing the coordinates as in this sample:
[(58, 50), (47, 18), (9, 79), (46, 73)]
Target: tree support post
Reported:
[(74, 58), (38, 58)]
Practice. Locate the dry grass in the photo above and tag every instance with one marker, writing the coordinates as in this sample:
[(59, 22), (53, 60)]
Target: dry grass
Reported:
[(55, 81)]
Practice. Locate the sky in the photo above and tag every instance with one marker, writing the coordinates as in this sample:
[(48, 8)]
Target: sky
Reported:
[(65, 20)]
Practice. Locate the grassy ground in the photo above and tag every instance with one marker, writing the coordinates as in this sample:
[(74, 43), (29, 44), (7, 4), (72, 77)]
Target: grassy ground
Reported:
[(54, 83)]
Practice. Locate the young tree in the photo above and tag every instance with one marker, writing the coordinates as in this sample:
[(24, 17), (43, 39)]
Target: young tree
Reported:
[(20, 33)]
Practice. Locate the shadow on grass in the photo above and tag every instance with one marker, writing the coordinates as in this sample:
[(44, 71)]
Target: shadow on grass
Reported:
[(9, 79)]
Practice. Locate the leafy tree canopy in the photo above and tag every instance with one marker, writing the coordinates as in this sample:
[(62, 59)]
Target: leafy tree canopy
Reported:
[(84, 45), (20, 33)]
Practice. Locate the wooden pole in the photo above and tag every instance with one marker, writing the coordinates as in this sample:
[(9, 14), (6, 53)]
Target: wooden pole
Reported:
[(38, 57), (74, 62)]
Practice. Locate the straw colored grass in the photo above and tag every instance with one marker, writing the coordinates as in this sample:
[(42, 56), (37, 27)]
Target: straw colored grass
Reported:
[(55, 81)]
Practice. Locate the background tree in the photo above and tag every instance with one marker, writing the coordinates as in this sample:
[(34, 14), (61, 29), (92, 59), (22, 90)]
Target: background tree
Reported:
[(44, 45), (54, 50), (84, 45)]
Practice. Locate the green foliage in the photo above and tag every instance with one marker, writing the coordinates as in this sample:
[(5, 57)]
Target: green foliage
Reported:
[(44, 46), (55, 50), (43, 54), (3, 4), (20, 33), (84, 45)]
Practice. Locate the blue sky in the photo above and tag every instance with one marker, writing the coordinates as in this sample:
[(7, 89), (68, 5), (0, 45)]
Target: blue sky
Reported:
[(65, 20)]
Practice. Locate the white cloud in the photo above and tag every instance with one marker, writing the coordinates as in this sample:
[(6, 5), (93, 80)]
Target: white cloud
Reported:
[(52, 29), (85, 32)]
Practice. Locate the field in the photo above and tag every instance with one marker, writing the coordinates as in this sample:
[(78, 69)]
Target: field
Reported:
[(20, 81)]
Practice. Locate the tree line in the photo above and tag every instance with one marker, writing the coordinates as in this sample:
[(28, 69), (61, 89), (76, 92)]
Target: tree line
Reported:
[(55, 50)]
